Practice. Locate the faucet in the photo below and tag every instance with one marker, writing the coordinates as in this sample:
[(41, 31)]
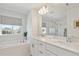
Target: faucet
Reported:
[(69, 39)]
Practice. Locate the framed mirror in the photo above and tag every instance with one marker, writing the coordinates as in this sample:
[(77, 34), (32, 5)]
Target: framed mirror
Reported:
[(76, 23), (54, 22)]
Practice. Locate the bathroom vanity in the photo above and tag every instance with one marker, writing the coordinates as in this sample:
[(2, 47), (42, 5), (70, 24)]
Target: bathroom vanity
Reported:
[(43, 46), (59, 23)]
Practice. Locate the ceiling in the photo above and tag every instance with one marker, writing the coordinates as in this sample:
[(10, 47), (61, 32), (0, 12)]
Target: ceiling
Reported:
[(56, 10), (23, 7), (19, 7), (59, 10)]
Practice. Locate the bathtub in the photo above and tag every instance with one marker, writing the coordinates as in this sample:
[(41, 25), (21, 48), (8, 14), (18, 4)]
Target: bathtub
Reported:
[(14, 48)]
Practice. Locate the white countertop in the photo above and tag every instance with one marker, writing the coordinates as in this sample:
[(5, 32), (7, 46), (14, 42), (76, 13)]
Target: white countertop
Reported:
[(73, 46)]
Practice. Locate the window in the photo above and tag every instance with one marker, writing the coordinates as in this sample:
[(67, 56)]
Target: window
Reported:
[(10, 29), (10, 25)]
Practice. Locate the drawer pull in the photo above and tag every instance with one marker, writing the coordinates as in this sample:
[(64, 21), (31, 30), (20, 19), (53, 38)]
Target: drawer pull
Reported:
[(32, 45), (41, 44), (41, 52), (51, 52)]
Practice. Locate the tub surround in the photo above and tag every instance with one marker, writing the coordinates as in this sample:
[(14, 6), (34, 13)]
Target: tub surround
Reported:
[(15, 48), (13, 37)]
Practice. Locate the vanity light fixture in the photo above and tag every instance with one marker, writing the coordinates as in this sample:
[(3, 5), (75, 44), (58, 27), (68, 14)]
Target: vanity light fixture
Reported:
[(43, 10)]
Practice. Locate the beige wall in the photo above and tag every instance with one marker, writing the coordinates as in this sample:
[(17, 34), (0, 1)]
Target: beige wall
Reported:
[(36, 22), (72, 14)]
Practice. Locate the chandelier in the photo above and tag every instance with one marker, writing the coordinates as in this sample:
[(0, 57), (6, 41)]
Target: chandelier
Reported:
[(43, 10)]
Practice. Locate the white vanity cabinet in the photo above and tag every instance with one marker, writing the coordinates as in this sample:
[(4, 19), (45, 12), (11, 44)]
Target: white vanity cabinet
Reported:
[(40, 48), (43, 48), (60, 51), (34, 47)]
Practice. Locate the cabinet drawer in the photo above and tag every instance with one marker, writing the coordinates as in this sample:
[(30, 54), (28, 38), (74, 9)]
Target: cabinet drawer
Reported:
[(45, 52), (34, 47), (42, 44), (60, 51)]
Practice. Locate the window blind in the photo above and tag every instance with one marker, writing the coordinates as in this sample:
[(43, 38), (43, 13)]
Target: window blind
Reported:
[(0, 19), (10, 20)]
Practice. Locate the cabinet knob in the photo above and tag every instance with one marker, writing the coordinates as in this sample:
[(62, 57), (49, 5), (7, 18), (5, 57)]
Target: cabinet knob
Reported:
[(41, 44), (41, 52), (32, 45)]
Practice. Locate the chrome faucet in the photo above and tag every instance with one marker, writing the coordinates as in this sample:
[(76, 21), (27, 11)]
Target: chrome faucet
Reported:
[(69, 39)]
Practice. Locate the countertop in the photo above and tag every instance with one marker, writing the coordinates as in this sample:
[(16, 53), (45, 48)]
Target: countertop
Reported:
[(71, 46)]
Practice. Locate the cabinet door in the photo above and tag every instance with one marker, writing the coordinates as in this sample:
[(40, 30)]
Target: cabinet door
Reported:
[(49, 54), (34, 47), (60, 51), (43, 51), (42, 45)]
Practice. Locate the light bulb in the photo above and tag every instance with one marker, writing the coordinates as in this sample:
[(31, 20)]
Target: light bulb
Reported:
[(39, 11), (43, 10)]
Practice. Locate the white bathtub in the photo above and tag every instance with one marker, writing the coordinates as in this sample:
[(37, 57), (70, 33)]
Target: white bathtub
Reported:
[(14, 48)]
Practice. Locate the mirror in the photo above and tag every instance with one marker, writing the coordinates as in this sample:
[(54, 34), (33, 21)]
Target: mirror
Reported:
[(54, 21)]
